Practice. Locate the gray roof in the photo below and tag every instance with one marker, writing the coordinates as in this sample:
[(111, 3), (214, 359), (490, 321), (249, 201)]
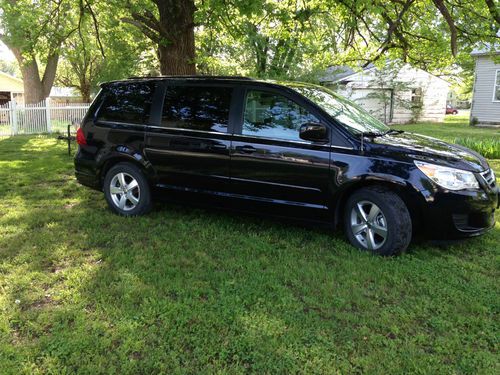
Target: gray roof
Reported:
[(487, 48), (339, 72), (484, 52)]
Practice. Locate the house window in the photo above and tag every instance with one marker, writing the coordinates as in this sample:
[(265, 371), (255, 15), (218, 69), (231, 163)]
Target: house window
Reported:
[(496, 87), (416, 96)]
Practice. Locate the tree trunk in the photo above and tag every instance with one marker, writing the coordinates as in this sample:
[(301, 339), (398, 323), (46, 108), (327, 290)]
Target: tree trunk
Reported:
[(85, 92), (33, 87), (176, 49), (178, 58), (36, 89)]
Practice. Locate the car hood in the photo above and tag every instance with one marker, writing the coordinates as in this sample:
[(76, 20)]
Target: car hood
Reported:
[(419, 147)]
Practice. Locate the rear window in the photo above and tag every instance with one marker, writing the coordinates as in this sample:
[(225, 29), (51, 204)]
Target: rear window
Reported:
[(127, 102), (197, 108)]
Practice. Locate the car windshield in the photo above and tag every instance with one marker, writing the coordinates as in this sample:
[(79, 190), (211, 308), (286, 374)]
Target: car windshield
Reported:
[(355, 119)]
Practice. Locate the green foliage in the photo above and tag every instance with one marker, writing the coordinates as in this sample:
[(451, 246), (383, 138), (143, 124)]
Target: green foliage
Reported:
[(295, 39), (9, 67), (118, 51), (187, 290), (489, 148), (37, 28), (265, 38)]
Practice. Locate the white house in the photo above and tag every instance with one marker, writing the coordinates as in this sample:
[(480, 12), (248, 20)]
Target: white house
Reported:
[(12, 89), (485, 109), (395, 95)]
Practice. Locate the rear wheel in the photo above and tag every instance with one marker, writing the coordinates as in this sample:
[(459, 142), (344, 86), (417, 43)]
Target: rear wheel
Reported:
[(377, 220), (127, 190)]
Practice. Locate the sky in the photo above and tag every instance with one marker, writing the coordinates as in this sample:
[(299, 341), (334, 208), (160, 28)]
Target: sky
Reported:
[(5, 53)]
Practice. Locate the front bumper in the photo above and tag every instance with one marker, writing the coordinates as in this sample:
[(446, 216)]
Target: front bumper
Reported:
[(452, 215)]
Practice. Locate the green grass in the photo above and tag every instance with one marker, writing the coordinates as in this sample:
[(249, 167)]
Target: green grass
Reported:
[(453, 127), (186, 290), (489, 148)]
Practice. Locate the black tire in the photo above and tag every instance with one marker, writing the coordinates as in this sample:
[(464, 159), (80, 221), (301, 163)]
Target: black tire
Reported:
[(141, 193), (395, 220)]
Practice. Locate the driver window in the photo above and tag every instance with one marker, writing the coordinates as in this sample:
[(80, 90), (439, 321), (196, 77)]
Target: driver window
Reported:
[(270, 115)]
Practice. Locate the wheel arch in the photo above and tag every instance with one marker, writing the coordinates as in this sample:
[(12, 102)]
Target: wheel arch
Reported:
[(406, 192), (117, 158)]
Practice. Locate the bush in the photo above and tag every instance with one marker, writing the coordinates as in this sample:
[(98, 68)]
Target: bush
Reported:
[(489, 148)]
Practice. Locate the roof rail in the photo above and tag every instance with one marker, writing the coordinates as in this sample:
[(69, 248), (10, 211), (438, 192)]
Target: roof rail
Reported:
[(193, 76)]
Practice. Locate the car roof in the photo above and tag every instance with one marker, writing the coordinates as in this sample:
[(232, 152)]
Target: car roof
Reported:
[(204, 79)]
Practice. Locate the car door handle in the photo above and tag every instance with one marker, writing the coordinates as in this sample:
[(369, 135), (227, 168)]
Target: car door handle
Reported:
[(218, 146), (246, 149)]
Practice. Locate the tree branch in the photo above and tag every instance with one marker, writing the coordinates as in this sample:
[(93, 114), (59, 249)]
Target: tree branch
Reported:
[(151, 34), (451, 24), (494, 11), (96, 27), (50, 72)]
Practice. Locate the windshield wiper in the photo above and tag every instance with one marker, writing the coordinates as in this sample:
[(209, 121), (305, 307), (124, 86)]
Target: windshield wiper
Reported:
[(381, 134), (393, 131), (372, 134), (375, 134)]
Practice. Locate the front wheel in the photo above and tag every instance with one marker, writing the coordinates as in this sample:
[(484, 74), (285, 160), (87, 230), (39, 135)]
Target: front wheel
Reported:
[(127, 190), (377, 220)]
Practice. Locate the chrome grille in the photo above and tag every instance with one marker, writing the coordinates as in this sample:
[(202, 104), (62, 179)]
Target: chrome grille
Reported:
[(489, 177)]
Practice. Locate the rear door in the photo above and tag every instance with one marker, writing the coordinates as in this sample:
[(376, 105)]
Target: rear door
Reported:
[(269, 161), (189, 143)]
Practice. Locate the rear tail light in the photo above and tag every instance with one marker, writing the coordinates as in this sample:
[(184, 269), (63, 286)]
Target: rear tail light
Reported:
[(80, 137)]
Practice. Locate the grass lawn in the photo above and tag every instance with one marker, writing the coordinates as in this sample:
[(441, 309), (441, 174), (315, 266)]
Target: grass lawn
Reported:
[(455, 126), (187, 290)]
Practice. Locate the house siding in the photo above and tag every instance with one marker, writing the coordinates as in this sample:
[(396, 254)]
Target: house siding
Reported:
[(484, 109), (10, 84), (434, 95)]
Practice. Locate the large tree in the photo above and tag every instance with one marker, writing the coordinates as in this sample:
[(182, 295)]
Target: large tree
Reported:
[(290, 37), (170, 25), (34, 31), (103, 49)]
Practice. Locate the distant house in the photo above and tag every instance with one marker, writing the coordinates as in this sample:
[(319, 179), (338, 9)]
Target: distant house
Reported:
[(485, 109), (12, 89), (64, 95), (455, 101), (394, 95)]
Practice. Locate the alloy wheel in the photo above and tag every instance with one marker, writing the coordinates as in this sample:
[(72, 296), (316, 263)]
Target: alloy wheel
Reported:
[(369, 225), (125, 191)]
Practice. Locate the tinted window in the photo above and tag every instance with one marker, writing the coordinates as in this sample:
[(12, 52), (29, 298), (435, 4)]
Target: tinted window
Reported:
[(127, 102), (274, 116), (350, 115), (197, 108)]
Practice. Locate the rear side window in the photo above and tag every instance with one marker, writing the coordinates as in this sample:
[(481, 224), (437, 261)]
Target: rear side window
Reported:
[(127, 102), (197, 108)]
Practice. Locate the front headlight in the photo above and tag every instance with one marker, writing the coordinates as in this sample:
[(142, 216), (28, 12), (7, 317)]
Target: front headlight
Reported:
[(449, 178)]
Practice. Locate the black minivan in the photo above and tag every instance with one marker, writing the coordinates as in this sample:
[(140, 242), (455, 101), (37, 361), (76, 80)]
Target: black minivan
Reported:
[(285, 148)]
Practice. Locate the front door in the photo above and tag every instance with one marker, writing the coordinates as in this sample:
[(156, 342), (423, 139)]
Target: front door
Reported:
[(189, 148), (269, 161)]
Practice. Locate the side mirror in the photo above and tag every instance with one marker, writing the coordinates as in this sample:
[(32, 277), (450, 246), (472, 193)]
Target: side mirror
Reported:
[(313, 132)]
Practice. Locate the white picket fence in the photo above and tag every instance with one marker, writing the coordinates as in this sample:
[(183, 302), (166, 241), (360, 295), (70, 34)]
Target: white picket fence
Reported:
[(44, 117)]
